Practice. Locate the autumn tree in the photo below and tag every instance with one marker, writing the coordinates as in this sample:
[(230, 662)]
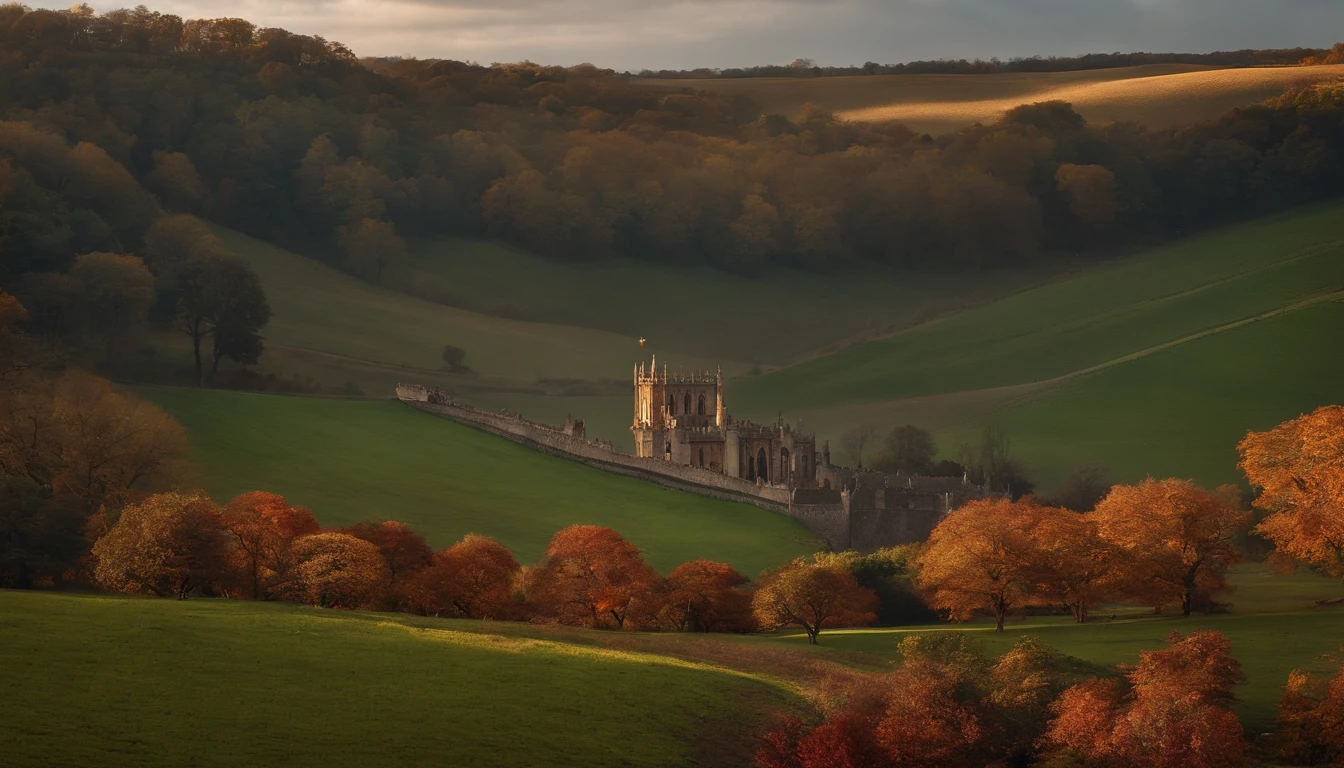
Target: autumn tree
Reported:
[(890, 574), (813, 596), (75, 437), (176, 240), (404, 550), (1090, 190), (593, 577), (337, 570), (475, 579), (1177, 713), (1177, 539), (373, 249), (113, 294), (1298, 467), (221, 299), (705, 596), (982, 557), (169, 544), (263, 527), (1074, 565), (1309, 729)]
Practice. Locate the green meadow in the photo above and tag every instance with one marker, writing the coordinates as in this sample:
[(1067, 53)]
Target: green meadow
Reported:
[(1154, 364), (352, 460), (123, 681)]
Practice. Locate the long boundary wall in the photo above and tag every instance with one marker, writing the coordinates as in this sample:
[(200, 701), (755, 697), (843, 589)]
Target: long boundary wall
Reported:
[(828, 521)]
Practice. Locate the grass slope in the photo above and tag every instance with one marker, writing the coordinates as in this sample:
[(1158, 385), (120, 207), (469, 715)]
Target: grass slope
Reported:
[(696, 309), (1158, 95), (1197, 341), (318, 309), (365, 460), (1274, 628), (116, 681)]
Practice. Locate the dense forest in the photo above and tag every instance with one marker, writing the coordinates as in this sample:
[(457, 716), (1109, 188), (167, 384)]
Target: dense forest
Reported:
[(809, 68), (115, 120)]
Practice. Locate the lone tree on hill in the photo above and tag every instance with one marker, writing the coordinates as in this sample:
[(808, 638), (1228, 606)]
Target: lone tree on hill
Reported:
[(813, 595), (220, 297)]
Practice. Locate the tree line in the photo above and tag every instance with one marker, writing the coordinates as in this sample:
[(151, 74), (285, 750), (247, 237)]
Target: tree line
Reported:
[(291, 139), (809, 68), (949, 705)]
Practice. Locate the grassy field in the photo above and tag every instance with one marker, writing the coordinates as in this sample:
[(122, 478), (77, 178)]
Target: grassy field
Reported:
[(352, 460), (1274, 628), (1156, 363), (1158, 95), (322, 311), (696, 309), (116, 681)]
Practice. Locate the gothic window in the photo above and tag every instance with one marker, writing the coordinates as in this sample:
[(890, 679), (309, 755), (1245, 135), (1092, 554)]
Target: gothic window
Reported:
[(702, 457), (751, 468), (671, 405), (762, 466), (783, 465), (803, 465), (686, 404), (700, 409)]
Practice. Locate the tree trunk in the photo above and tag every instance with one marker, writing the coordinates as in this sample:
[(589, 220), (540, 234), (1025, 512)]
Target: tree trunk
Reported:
[(812, 634)]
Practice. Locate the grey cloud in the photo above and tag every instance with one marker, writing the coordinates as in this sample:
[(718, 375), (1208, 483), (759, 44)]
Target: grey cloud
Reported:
[(630, 34)]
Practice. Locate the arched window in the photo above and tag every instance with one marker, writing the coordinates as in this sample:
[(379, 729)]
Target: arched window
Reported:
[(686, 404), (700, 408), (783, 465), (702, 457), (762, 466), (751, 468), (671, 405), (668, 450), (802, 465)]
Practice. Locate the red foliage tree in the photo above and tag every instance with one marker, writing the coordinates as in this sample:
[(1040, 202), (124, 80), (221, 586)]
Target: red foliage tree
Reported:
[(704, 596), (1310, 725), (473, 579), (263, 526), (1177, 715), (404, 550), (593, 577)]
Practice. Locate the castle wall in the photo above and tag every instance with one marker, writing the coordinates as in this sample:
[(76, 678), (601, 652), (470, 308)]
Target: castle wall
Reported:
[(601, 455)]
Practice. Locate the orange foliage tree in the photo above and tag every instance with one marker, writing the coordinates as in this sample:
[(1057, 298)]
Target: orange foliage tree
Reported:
[(1299, 469), (1178, 539), (1075, 567), (1177, 714), (169, 544), (812, 595), (593, 577), (264, 526), (404, 550), (982, 557), (474, 579), (337, 570), (1310, 725), (704, 596)]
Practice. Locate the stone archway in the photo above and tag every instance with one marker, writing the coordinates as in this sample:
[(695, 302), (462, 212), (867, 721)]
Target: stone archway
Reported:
[(763, 466)]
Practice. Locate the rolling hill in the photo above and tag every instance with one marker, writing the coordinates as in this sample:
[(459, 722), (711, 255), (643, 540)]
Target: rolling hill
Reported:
[(353, 460), (1157, 95), (1153, 364)]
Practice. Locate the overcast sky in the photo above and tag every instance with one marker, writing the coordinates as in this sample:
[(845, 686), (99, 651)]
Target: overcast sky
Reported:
[(683, 34)]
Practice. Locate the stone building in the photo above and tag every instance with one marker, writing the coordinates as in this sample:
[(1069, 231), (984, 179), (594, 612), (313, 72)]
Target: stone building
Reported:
[(680, 418)]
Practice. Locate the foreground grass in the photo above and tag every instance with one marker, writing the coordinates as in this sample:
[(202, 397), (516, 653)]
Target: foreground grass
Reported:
[(1156, 95), (364, 460), (1274, 627), (117, 681)]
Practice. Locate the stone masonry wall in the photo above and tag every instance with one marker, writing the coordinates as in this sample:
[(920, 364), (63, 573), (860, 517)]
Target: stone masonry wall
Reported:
[(828, 521)]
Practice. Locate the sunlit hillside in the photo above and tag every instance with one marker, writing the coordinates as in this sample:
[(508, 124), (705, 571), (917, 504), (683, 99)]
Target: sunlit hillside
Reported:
[(1158, 95)]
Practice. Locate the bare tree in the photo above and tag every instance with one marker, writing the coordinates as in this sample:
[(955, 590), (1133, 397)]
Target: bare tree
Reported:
[(856, 440)]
